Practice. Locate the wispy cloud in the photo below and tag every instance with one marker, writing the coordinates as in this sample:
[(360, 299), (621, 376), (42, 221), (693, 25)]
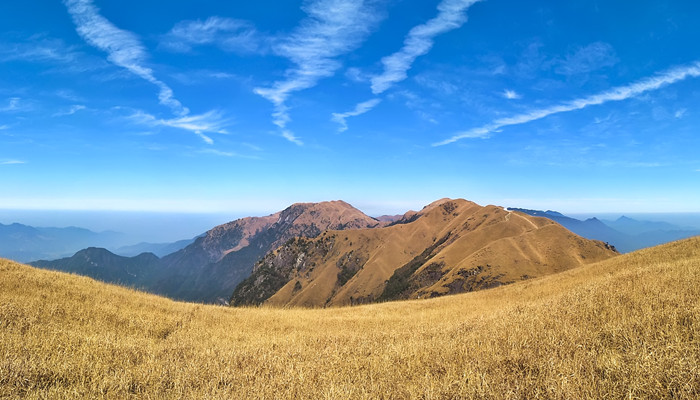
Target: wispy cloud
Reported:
[(587, 59), (209, 122), (13, 104), (680, 113), (72, 110), (12, 162), (226, 33), (511, 94), (123, 48), (4, 127), (616, 94), (287, 134), (332, 28), (228, 154), (451, 15), (361, 108)]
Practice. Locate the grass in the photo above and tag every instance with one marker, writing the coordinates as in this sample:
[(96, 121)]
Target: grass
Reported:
[(628, 327)]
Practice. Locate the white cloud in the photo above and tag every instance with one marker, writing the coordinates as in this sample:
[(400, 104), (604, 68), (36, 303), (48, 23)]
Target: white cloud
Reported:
[(226, 33), (13, 104), (12, 162), (680, 113), (332, 28), (451, 15), (4, 127), (616, 94), (587, 59), (291, 137), (209, 122), (227, 154), (72, 110), (361, 108), (123, 47), (511, 94)]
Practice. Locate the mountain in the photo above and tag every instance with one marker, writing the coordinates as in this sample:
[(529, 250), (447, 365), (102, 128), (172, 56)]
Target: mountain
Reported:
[(623, 327), (451, 246), (626, 234), (208, 269), (159, 249), (211, 267), (103, 265), (24, 243)]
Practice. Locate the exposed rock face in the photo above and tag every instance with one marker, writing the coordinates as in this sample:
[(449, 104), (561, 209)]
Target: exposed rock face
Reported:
[(451, 246)]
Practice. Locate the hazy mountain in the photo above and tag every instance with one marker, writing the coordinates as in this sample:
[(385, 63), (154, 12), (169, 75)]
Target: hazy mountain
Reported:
[(25, 243), (450, 246), (626, 234), (159, 249), (635, 227)]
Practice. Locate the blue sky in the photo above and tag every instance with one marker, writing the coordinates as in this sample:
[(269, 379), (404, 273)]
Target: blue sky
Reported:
[(210, 106)]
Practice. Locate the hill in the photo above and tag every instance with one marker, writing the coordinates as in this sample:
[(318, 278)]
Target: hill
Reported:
[(451, 246), (209, 269), (625, 327), (103, 265)]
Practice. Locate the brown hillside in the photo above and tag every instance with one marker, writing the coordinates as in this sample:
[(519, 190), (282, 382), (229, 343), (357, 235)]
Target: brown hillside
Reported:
[(451, 246)]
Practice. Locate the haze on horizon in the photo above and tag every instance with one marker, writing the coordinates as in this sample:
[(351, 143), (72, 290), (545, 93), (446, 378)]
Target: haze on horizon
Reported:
[(243, 109)]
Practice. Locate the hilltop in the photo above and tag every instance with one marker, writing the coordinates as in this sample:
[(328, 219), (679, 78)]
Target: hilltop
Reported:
[(624, 327), (450, 246)]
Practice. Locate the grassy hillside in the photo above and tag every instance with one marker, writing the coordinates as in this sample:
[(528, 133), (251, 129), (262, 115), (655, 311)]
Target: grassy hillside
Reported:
[(449, 247), (626, 327)]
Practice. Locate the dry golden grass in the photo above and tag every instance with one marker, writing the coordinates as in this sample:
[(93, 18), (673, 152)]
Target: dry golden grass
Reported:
[(628, 327)]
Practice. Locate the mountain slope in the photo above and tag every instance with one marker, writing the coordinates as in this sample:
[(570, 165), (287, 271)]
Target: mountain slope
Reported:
[(451, 246), (624, 327)]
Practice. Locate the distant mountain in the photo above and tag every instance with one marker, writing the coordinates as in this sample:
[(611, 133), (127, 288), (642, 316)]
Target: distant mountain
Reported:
[(25, 243), (159, 249), (634, 227), (451, 246), (103, 265), (208, 269), (626, 234), (389, 218)]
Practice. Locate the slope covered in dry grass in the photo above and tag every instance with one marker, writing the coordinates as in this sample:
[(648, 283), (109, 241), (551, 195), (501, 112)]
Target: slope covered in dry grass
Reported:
[(449, 247), (626, 327)]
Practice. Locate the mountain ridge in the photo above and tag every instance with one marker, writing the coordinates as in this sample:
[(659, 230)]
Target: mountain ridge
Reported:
[(450, 246)]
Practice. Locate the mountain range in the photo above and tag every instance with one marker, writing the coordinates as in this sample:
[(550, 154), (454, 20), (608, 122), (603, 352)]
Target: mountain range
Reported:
[(330, 253), (209, 269), (451, 246), (626, 234), (25, 243)]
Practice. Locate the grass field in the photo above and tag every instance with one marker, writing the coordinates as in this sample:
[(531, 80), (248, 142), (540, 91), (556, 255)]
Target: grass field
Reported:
[(628, 327)]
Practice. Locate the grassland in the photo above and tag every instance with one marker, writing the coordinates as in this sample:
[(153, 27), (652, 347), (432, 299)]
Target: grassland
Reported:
[(628, 327)]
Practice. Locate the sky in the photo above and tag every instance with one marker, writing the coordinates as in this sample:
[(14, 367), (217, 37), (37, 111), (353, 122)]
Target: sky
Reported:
[(246, 107)]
